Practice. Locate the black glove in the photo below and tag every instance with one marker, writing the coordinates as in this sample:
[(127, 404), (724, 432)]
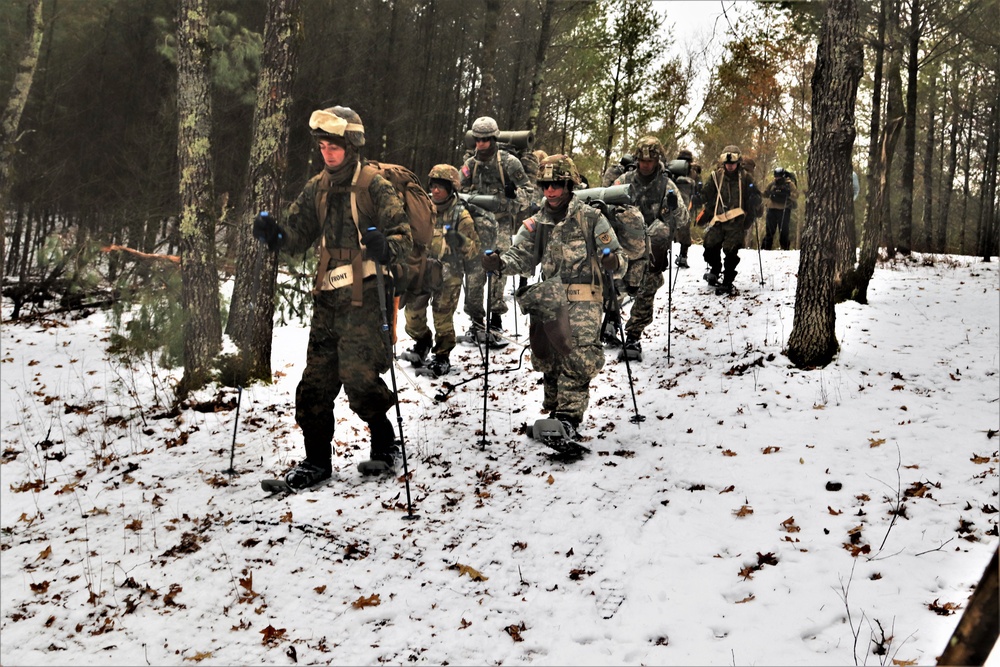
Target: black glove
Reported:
[(492, 262), (376, 246), (609, 261), (267, 231), (671, 200), (454, 240), (533, 209), (509, 191)]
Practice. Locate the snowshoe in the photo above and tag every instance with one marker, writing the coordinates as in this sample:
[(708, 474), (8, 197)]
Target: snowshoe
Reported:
[(632, 350), (276, 486), (682, 262), (558, 435), (711, 278), (417, 355), (302, 476), (476, 335), (725, 289), (438, 366), (380, 463)]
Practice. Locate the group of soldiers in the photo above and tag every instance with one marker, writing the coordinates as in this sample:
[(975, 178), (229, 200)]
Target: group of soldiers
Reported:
[(536, 226)]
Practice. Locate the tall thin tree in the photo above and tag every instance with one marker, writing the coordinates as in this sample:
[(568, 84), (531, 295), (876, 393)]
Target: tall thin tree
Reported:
[(200, 280)]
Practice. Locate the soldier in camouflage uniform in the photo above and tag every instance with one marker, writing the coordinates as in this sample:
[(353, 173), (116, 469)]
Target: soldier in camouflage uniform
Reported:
[(567, 239), (690, 187), (492, 171), (346, 346), (657, 196), (455, 242), (732, 202)]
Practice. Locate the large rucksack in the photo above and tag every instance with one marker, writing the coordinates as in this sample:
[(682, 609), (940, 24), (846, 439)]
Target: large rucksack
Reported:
[(419, 211)]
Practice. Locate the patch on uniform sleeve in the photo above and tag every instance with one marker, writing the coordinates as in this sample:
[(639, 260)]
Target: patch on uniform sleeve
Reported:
[(605, 238), (465, 171), (529, 224)]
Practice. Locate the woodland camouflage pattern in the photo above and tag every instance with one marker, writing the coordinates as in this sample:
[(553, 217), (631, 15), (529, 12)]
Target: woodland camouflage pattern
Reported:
[(346, 347), (560, 249)]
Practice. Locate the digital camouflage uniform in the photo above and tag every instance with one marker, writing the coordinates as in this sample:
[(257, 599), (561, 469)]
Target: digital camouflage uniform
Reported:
[(499, 175), (346, 346), (561, 249), (650, 196), (724, 191), (443, 299)]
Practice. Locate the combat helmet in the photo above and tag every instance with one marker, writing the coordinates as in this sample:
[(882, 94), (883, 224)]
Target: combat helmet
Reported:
[(648, 148), (730, 154), (338, 123), (485, 127), (447, 173), (685, 154), (558, 168)]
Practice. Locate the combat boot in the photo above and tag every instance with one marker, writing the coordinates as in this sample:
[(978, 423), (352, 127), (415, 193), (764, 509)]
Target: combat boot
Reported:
[(417, 355)]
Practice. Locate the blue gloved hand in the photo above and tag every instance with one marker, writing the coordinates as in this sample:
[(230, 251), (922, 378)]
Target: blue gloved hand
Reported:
[(267, 231), (376, 246)]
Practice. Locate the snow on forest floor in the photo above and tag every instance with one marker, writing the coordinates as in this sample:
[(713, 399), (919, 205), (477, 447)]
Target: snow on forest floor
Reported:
[(760, 514)]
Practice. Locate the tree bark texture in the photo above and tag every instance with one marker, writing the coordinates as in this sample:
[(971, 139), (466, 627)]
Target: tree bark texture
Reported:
[(200, 280), (976, 633), (11, 121), (252, 313), (813, 339), (910, 133), (485, 101)]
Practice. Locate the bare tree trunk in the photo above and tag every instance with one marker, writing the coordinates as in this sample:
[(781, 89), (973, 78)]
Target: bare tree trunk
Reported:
[(894, 108), (538, 80), (910, 134), (976, 632), (813, 339), (202, 325), (987, 209), (11, 120), (966, 178), (928, 217), (948, 174), (252, 314), (487, 92)]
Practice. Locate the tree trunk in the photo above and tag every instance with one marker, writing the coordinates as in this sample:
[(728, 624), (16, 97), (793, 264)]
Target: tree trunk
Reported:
[(963, 221), (252, 313), (928, 217), (894, 108), (987, 210), (976, 632), (538, 80), (813, 339), (910, 134), (202, 325), (948, 174), (11, 120), (486, 97)]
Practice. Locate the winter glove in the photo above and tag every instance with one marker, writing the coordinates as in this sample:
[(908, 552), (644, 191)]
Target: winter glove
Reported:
[(454, 240), (267, 231), (509, 191), (609, 261), (533, 209), (671, 200), (492, 262), (376, 245)]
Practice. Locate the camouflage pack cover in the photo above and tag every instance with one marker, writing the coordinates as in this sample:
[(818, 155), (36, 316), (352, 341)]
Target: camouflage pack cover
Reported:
[(543, 300), (630, 229)]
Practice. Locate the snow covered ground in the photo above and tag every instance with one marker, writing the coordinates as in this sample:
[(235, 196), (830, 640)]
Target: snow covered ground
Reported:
[(760, 514)]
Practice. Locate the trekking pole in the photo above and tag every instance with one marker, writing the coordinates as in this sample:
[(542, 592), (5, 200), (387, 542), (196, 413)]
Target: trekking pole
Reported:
[(760, 261), (517, 285), (483, 442), (610, 281), (670, 296), (231, 470), (380, 278)]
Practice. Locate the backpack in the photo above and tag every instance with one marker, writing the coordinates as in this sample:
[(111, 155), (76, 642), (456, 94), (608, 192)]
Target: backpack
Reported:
[(419, 211), (485, 224), (409, 274)]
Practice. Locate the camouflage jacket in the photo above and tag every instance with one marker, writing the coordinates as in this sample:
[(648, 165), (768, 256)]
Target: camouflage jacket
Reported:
[(456, 216), (496, 176), (303, 228), (651, 197), (569, 249)]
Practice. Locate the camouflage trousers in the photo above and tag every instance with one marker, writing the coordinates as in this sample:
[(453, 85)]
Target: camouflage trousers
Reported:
[(346, 349), (728, 237), (443, 304), (649, 281), (475, 277), (566, 378)]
